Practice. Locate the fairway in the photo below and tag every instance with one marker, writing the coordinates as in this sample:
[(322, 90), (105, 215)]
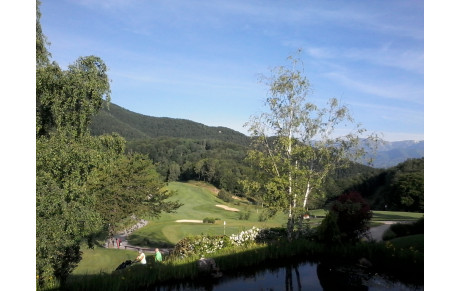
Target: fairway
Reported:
[(200, 201)]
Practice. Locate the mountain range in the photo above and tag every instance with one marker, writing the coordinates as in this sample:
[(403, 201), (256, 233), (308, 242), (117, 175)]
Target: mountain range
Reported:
[(131, 125)]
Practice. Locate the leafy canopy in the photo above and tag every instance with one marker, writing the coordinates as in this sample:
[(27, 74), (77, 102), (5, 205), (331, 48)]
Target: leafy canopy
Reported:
[(296, 144)]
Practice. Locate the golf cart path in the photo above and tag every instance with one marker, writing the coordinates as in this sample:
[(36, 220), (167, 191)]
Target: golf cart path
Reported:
[(378, 231)]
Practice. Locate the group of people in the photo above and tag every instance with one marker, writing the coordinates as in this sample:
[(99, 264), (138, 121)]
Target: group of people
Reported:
[(141, 257), (117, 241)]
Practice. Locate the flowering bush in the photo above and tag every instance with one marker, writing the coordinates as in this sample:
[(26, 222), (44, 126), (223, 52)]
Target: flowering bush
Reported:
[(200, 245), (245, 237), (207, 244)]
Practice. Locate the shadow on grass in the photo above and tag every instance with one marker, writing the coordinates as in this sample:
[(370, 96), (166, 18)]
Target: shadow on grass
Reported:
[(153, 241)]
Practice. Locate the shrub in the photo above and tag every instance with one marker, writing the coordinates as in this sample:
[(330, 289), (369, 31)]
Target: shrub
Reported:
[(245, 237), (347, 220), (388, 235), (225, 195), (200, 245), (328, 231), (209, 220), (263, 216), (271, 234), (244, 215), (403, 229)]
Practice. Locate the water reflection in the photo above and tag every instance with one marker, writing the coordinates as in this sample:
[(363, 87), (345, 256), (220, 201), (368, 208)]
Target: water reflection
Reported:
[(288, 279), (292, 276)]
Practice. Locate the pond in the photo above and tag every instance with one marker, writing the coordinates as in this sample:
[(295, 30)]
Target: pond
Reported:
[(297, 276)]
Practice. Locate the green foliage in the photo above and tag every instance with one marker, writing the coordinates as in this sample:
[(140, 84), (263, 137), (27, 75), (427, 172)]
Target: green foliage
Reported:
[(213, 161), (294, 146), (66, 100), (65, 213), (404, 229), (328, 231), (413, 242), (41, 53), (244, 215), (75, 171), (353, 216), (129, 186), (400, 188), (347, 221), (133, 126), (200, 245), (173, 172), (209, 220), (225, 195)]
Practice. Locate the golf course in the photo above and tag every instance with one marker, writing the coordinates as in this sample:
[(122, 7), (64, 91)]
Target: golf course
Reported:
[(200, 201)]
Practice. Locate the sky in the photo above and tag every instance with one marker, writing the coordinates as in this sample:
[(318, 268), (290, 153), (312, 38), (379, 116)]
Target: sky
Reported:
[(202, 60)]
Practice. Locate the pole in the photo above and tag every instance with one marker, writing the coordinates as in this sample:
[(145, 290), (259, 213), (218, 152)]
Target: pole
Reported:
[(224, 227)]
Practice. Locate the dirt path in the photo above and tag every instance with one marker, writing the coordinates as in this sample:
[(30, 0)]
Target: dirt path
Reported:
[(377, 231)]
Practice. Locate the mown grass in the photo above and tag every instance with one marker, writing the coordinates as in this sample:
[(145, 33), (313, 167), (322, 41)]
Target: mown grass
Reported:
[(102, 260), (395, 216), (199, 202), (415, 242)]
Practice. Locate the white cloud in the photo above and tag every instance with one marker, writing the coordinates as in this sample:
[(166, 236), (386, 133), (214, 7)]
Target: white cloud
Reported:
[(408, 60), (384, 89)]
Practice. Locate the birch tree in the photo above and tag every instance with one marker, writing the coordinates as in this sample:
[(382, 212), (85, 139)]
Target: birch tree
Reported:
[(296, 144)]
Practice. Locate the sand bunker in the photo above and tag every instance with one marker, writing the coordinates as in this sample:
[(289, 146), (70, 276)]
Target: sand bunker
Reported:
[(190, 220), (226, 207)]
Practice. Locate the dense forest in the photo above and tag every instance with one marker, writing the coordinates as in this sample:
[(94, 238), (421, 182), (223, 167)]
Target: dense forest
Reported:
[(223, 165)]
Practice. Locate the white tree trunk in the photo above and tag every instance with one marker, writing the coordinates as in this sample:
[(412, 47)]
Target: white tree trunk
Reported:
[(307, 192)]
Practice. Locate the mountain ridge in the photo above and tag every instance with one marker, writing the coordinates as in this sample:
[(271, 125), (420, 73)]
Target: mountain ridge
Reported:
[(132, 125)]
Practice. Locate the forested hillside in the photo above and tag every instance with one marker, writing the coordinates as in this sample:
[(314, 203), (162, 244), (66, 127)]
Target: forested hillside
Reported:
[(131, 125), (217, 162), (399, 188)]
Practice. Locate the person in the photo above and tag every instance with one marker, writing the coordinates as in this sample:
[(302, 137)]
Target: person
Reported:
[(158, 257), (141, 257)]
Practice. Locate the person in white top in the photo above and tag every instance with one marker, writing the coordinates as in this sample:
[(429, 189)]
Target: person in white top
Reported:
[(141, 258)]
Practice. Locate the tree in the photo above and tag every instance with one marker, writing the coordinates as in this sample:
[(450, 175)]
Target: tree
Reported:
[(353, 216), (65, 211), (41, 53), (71, 165), (408, 188), (66, 100), (173, 172), (129, 186), (296, 143)]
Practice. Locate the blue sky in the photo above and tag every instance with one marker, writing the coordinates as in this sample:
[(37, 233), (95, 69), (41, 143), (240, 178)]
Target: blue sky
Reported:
[(201, 60)]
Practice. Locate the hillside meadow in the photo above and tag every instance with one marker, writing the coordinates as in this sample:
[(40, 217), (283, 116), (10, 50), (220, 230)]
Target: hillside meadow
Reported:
[(200, 200)]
